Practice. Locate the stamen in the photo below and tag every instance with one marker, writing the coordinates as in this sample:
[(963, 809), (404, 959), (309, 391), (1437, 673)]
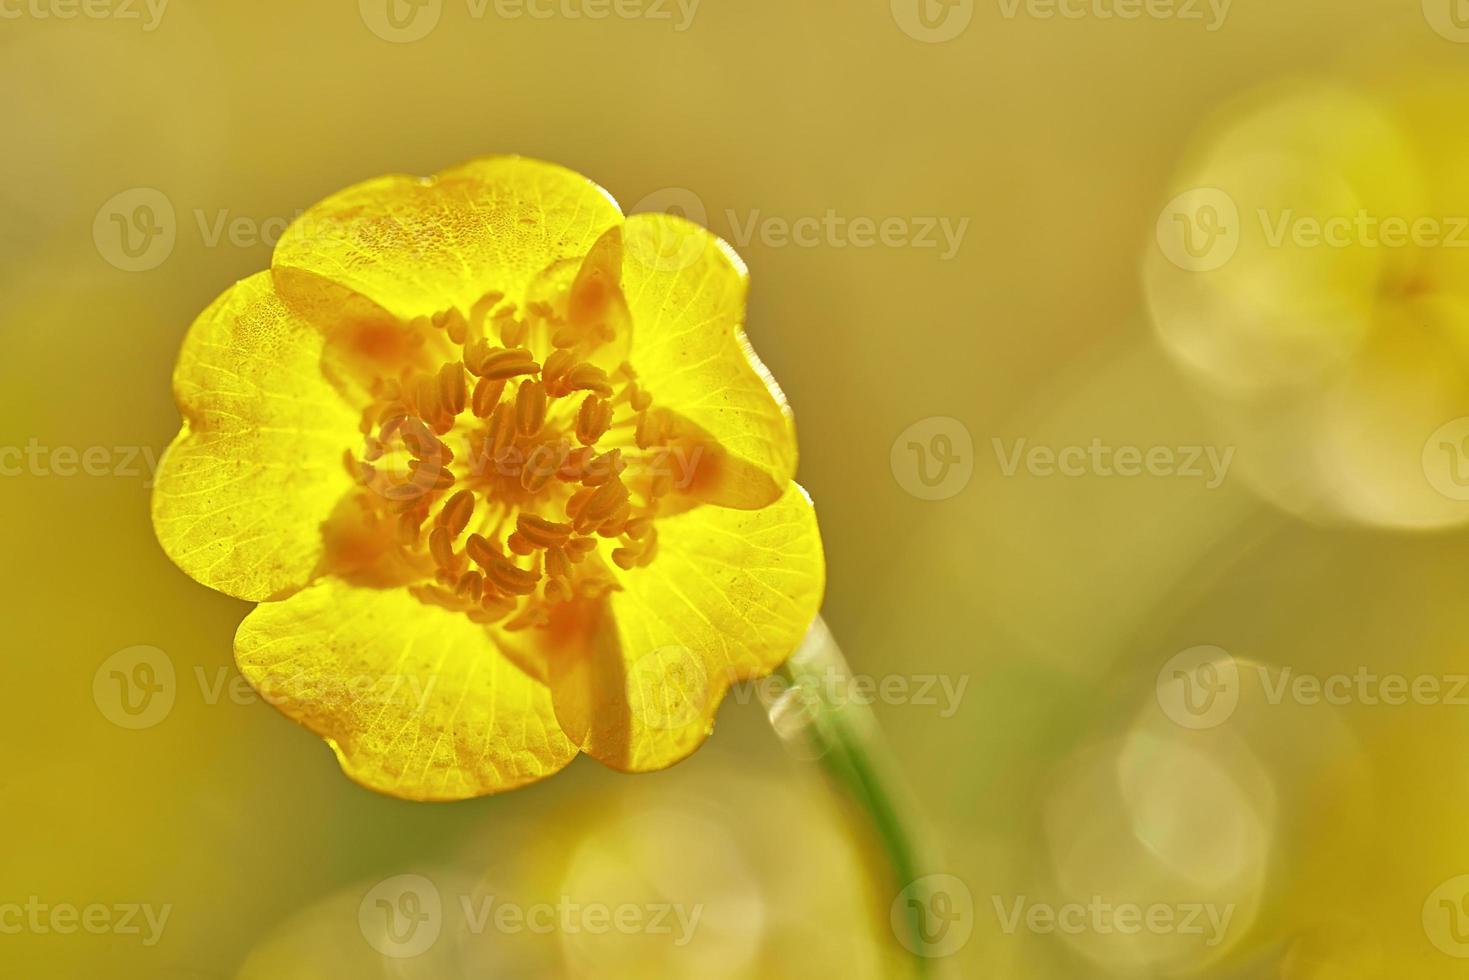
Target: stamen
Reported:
[(530, 407), (502, 363), (538, 482), (541, 532), (602, 503), (502, 428), (545, 461), (556, 367), (457, 512), (442, 548), (471, 586), (588, 377), (508, 577), (451, 388), (593, 420), (486, 396), (607, 466)]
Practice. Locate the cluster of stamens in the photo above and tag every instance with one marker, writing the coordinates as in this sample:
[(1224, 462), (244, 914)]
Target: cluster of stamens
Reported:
[(510, 475)]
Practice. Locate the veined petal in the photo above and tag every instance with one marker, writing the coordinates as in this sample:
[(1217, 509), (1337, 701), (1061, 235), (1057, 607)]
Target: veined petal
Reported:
[(415, 700), (686, 292), (728, 598), (243, 490), (417, 246)]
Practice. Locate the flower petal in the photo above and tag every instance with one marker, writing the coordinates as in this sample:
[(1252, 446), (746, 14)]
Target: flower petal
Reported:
[(417, 246), (415, 700), (728, 598), (686, 291), (242, 491)]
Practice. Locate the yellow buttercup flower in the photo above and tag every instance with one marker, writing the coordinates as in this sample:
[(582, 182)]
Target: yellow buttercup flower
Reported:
[(503, 473)]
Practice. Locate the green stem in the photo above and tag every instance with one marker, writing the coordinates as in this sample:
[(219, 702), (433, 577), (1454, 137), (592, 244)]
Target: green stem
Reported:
[(844, 735)]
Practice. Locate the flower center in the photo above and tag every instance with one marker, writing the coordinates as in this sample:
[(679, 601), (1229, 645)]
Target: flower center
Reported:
[(507, 460)]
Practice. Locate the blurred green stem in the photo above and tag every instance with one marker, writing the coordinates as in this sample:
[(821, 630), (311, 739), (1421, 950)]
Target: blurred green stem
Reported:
[(815, 714)]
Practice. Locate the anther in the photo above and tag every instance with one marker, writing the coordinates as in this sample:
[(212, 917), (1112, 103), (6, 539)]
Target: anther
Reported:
[(502, 428), (457, 512), (503, 363), (556, 367), (508, 577), (442, 548), (530, 407), (602, 503), (579, 548), (593, 420), (451, 387), (481, 552), (588, 377), (471, 586), (541, 532), (486, 396), (544, 462), (600, 469)]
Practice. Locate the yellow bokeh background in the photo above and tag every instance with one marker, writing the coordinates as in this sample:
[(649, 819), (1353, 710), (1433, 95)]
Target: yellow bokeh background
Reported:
[(1055, 602)]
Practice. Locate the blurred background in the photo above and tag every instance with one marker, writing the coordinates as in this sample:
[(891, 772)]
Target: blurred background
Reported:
[(1139, 499)]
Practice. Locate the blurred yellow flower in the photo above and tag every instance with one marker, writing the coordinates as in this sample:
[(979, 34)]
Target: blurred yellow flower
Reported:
[(1311, 275), (503, 473)]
